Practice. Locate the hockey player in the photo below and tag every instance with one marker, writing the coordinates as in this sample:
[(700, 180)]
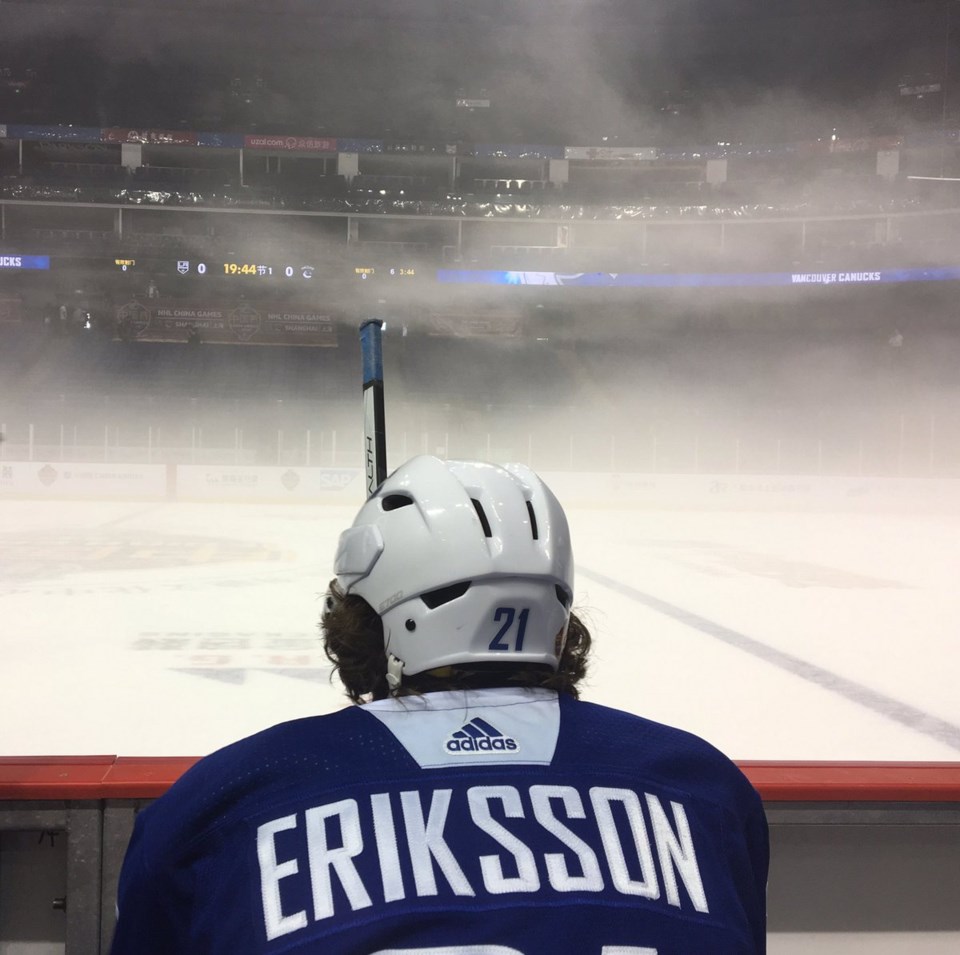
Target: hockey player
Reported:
[(471, 803)]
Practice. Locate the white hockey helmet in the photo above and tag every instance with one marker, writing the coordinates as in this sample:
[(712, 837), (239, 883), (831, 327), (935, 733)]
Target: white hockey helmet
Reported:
[(464, 562)]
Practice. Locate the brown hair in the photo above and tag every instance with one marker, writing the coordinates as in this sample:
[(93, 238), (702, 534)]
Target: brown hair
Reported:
[(352, 634)]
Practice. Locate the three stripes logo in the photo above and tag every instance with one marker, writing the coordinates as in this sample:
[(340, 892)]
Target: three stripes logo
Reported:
[(478, 736)]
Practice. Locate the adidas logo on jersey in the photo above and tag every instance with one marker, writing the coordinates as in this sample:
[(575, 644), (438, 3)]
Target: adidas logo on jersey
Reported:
[(478, 736)]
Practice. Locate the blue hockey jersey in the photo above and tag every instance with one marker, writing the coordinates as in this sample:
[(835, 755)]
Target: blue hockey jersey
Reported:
[(487, 822)]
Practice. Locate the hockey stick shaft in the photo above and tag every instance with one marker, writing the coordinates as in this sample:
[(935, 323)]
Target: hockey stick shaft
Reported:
[(374, 431)]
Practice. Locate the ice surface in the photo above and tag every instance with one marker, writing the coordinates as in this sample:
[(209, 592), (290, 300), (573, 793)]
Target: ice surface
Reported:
[(173, 629)]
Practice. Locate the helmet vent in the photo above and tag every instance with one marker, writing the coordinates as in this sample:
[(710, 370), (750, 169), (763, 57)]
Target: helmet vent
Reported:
[(484, 523), (533, 521), (392, 501), (437, 598)]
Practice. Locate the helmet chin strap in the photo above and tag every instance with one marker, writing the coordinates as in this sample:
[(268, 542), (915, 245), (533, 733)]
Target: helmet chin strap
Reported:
[(394, 671)]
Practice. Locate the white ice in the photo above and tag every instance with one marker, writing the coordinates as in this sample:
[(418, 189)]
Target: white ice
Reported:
[(172, 629)]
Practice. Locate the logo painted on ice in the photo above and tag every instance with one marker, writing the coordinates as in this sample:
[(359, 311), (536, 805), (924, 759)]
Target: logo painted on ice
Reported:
[(478, 736)]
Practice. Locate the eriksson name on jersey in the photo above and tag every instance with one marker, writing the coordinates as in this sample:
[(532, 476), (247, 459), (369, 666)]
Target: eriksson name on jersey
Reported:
[(369, 837)]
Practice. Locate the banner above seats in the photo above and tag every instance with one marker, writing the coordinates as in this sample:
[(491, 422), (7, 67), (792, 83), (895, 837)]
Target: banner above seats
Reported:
[(241, 324)]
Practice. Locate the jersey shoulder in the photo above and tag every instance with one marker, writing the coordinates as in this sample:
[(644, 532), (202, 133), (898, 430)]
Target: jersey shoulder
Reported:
[(270, 766), (613, 740)]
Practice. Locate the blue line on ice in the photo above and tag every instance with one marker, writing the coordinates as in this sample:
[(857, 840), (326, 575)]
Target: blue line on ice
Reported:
[(886, 706)]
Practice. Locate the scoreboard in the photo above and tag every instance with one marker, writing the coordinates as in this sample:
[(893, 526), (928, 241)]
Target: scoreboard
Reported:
[(208, 268), (291, 269)]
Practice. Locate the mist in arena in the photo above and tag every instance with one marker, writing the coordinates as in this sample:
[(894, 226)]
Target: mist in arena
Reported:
[(693, 262)]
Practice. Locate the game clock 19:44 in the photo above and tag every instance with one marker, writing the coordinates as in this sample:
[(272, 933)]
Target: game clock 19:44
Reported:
[(236, 268)]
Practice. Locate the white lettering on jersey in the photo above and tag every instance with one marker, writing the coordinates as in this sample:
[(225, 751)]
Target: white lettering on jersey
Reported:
[(425, 842), (385, 832), (557, 871), (610, 848), (494, 881), (602, 800), (271, 872), (339, 858), (676, 852)]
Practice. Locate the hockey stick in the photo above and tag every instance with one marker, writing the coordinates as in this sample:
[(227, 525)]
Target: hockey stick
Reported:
[(374, 432)]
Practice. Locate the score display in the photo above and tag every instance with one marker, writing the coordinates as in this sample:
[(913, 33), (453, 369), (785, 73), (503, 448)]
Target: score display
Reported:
[(245, 269), (242, 269)]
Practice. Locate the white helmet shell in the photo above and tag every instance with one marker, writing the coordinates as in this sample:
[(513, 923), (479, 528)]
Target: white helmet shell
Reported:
[(464, 562)]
